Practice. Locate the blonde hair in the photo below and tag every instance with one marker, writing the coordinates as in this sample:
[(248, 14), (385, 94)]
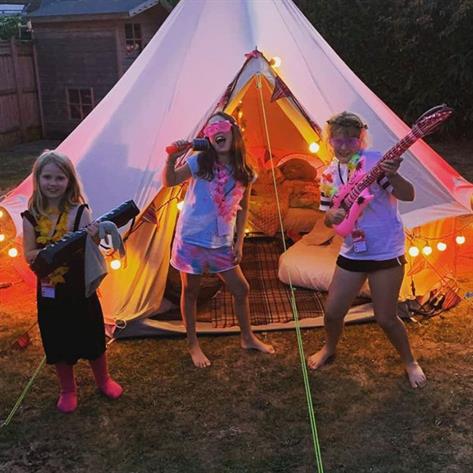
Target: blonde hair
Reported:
[(345, 120), (38, 204)]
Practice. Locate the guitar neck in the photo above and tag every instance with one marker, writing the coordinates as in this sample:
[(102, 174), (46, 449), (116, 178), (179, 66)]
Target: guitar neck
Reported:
[(375, 172)]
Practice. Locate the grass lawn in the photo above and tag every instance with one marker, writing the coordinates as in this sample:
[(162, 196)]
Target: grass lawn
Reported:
[(247, 413), (16, 163)]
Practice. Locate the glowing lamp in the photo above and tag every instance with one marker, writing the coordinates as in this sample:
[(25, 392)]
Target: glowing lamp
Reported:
[(12, 252), (180, 205), (2, 237), (275, 61), (441, 246), (115, 264), (1, 213), (414, 251), (314, 147), (427, 250), (460, 239)]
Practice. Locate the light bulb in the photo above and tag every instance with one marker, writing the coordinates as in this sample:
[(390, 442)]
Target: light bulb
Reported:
[(115, 264), (180, 204), (460, 239), (414, 251), (13, 252), (2, 237), (427, 250), (275, 61), (441, 246), (314, 147)]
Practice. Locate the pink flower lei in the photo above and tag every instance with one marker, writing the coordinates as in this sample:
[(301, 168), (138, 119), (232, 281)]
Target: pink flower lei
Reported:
[(227, 205)]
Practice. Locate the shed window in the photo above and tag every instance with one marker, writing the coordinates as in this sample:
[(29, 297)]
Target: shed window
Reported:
[(133, 38), (80, 102)]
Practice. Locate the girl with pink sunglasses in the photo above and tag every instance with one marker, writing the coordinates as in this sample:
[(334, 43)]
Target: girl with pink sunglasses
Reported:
[(211, 227)]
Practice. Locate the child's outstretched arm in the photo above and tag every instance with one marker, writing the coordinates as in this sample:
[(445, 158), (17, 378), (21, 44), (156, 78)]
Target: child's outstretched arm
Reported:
[(241, 218), (172, 176)]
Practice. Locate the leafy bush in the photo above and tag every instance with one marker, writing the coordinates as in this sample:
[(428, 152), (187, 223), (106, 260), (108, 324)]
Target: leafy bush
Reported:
[(412, 53), (9, 26)]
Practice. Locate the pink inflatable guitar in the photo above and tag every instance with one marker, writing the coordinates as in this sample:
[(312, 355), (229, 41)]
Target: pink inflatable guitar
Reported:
[(354, 196)]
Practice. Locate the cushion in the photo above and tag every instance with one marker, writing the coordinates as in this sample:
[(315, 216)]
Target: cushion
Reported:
[(300, 220), (302, 194), (297, 168)]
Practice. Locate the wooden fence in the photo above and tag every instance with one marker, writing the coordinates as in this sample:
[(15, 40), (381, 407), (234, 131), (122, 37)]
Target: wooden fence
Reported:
[(20, 108)]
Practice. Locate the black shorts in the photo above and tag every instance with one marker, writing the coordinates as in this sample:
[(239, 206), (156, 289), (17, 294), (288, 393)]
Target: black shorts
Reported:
[(369, 265)]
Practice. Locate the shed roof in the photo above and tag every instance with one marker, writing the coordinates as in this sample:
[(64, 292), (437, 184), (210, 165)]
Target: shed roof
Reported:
[(55, 8)]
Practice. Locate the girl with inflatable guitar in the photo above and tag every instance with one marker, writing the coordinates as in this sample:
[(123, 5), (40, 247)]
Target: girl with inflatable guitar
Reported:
[(374, 248)]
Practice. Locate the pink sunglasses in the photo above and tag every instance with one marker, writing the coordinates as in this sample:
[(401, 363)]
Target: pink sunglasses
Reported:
[(219, 127), (349, 142)]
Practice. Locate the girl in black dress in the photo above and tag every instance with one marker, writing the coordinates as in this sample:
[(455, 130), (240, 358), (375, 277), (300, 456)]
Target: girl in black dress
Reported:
[(70, 323)]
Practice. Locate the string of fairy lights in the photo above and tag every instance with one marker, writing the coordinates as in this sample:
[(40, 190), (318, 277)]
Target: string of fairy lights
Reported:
[(426, 245)]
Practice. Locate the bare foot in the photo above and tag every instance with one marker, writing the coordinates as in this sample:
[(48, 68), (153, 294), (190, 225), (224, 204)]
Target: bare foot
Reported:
[(198, 357), (416, 376), (254, 343), (320, 358)]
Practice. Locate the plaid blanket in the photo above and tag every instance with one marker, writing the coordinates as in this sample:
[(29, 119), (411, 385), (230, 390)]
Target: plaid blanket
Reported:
[(270, 299)]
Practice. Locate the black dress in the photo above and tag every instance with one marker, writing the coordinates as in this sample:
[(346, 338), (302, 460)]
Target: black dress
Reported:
[(71, 324)]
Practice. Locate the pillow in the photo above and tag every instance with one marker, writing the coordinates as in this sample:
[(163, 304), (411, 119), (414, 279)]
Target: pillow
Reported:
[(298, 168), (264, 183), (302, 194), (320, 233), (299, 220)]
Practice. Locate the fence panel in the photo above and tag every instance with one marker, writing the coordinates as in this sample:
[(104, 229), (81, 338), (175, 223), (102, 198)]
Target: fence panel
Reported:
[(20, 113)]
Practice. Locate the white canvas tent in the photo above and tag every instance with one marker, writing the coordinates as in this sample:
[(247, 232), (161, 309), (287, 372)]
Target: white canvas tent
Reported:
[(172, 87)]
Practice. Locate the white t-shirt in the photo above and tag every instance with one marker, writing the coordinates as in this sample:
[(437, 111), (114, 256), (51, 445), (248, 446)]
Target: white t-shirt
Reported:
[(380, 221), (199, 222)]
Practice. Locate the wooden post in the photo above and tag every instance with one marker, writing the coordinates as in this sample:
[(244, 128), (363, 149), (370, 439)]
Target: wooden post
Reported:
[(38, 89), (119, 51), (19, 91)]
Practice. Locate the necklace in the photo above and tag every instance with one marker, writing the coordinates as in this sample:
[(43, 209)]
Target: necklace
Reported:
[(49, 235), (329, 185), (227, 203)]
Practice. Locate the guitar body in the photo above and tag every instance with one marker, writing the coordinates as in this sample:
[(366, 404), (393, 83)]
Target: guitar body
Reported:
[(346, 226)]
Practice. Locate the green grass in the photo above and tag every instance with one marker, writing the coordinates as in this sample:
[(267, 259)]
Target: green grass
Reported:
[(247, 413), (16, 163)]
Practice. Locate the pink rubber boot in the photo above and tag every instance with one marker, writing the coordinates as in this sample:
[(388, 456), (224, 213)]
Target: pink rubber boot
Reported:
[(67, 401), (104, 382)]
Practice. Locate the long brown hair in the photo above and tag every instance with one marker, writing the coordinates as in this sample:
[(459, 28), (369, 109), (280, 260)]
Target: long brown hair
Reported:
[(241, 171), (38, 203)]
